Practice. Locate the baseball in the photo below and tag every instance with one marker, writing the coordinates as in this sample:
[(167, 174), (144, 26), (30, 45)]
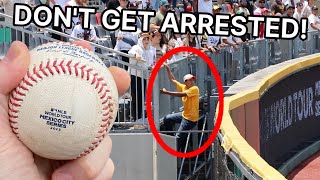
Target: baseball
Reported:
[(66, 103)]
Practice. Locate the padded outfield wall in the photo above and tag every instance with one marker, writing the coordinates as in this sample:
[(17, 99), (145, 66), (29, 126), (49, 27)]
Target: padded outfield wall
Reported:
[(272, 112)]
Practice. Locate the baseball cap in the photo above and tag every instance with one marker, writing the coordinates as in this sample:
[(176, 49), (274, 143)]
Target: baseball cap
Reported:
[(144, 35), (215, 7), (264, 10), (262, 1), (164, 3), (314, 8), (188, 76), (299, 4), (289, 7), (189, 8)]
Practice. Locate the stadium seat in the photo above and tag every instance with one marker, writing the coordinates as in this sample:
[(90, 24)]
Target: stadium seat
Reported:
[(98, 18), (93, 20), (102, 32)]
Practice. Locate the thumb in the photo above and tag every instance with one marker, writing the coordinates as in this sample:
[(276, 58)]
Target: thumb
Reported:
[(88, 167), (14, 66)]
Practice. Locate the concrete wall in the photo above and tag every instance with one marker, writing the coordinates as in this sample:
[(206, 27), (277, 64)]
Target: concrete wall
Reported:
[(134, 157)]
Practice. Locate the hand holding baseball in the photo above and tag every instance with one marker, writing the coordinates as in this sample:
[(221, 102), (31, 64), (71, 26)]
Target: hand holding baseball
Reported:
[(16, 160)]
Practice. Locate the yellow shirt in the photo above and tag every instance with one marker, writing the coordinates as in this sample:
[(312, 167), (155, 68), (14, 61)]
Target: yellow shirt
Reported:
[(190, 102)]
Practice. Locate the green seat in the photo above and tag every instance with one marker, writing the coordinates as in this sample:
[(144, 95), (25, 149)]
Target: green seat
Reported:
[(5, 35)]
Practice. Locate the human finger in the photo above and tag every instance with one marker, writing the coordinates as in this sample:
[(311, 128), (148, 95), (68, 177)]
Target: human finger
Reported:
[(87, 167)]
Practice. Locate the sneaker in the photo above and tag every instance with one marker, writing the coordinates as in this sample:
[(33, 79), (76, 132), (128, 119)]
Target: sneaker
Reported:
[(139, 127)]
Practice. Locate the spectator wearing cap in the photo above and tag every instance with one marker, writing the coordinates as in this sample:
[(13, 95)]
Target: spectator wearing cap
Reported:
[(156, 21), (261, 6), (304, 4), (216, 9), (298, 15), (188, 118), (289, 11), (314, 20), (298, 12)]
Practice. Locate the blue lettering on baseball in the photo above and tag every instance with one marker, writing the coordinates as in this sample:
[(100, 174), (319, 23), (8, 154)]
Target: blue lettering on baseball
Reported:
[(57, 119)]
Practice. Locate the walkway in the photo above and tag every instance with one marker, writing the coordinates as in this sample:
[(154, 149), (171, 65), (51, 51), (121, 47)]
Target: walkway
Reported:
[(308, 170)]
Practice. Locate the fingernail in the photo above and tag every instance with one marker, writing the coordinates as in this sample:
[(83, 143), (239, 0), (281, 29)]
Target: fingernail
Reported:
[(61, 176), (12, 53)]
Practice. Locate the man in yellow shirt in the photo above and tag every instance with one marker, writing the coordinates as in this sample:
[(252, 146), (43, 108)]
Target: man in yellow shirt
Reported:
[(190, 115)]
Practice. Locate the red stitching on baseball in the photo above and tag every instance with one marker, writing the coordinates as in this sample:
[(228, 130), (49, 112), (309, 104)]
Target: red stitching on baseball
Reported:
[(36, 73), (76, 69), (48, 67), (88, 71), (28, 74), (20, 93), (82, 70), (12, 110), (104, 120), (15, 99), (22, 87), (12, 122), (106, 108), (27, 82), (42, 70), (55, 66), (103, 85), (69, 68), (12, 116), (62, 67)]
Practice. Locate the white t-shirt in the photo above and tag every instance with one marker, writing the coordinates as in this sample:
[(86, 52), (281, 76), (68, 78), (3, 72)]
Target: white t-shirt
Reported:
[(312, 19), (257, 11), (306, 11), (205, 6), (297, 15)]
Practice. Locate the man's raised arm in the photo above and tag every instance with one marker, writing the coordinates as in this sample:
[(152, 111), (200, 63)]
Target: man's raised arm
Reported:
[(171, 77)]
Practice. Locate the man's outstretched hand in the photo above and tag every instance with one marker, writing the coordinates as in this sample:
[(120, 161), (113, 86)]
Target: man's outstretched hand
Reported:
[(16, 160)]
